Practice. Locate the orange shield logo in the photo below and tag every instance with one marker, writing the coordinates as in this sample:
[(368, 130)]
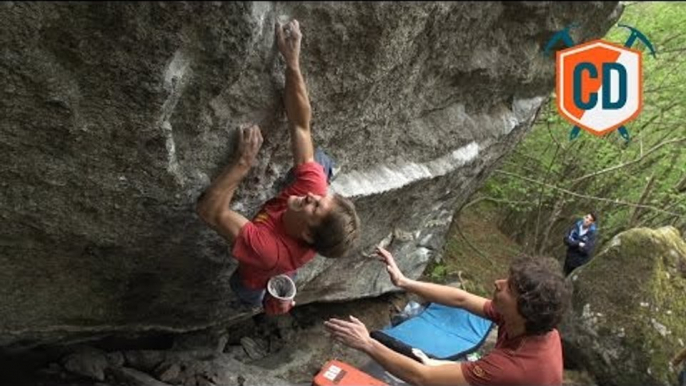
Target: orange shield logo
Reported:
[(599, 85)]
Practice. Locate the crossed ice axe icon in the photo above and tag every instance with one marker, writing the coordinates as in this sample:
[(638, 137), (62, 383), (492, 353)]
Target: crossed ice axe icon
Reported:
[(564, 36)]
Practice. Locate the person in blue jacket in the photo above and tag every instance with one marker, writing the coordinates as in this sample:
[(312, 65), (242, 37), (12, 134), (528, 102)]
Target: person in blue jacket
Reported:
[(580, 241)]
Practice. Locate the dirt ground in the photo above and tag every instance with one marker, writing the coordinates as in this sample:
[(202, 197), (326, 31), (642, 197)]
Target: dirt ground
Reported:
[(476, 251)]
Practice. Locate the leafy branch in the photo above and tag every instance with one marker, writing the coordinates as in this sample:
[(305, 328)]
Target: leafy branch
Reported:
[(639, 159), (603, 199)]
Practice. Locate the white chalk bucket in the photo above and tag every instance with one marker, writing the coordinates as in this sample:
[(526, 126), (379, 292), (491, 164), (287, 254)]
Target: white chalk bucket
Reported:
[(282, 287)]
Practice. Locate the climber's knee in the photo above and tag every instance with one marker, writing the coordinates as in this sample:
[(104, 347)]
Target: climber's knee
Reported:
[(327, 163), (321, 158)]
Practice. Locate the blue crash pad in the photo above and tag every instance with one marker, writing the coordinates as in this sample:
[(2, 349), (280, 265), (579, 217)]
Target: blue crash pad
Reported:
[(441, 332)]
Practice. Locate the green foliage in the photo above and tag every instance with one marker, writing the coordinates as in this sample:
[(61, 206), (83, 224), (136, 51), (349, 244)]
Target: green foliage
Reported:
[(438, 273), (549, 180)]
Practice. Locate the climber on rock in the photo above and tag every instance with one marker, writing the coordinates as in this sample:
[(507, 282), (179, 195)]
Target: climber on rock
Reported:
[(303, 219), (527, 306)]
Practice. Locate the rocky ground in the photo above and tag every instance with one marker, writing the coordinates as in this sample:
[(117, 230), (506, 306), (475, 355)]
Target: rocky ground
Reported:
[(279, 350)]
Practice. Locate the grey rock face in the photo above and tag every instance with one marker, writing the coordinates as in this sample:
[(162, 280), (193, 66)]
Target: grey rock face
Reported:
[(115, 116)]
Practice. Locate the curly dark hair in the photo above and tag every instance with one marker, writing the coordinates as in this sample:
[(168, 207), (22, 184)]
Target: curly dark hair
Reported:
[(542, 292)]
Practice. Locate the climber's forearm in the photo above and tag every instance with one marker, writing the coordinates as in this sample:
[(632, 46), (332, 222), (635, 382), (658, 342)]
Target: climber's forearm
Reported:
[(297, 101), (213, 205), (299, 114)]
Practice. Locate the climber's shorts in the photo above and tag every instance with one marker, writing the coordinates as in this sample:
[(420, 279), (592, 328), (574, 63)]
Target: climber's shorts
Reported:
[(327, 163), (321, 158), (250, 297)]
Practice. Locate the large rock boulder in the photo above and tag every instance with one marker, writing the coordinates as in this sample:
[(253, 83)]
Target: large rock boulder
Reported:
[(629, 309), (115, 116)]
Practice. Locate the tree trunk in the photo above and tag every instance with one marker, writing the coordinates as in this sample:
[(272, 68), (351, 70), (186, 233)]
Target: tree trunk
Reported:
[(644, 197)]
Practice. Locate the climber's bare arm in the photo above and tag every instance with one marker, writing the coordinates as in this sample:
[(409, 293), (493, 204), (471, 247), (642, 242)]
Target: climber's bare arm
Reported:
[(297, 102), (213, 205)]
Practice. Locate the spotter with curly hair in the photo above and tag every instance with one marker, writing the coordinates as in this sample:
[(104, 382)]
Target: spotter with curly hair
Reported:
[(527, 306)]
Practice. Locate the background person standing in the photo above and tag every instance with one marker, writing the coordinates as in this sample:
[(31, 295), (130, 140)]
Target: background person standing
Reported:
[(580, 241)]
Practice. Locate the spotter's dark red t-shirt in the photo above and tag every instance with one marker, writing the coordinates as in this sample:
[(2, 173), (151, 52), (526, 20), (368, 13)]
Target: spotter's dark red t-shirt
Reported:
[(523, 360)]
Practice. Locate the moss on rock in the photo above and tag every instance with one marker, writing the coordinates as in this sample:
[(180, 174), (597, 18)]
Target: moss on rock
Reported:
[(629, 309)]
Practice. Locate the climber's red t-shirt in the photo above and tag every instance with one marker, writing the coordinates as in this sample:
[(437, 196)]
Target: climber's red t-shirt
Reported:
[(523, 360), (262, 247)]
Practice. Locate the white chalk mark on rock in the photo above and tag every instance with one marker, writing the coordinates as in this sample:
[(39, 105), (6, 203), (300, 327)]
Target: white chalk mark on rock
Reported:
[(174, 80), (172, 162), (260, 9), (384, 178), (176, 69)]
